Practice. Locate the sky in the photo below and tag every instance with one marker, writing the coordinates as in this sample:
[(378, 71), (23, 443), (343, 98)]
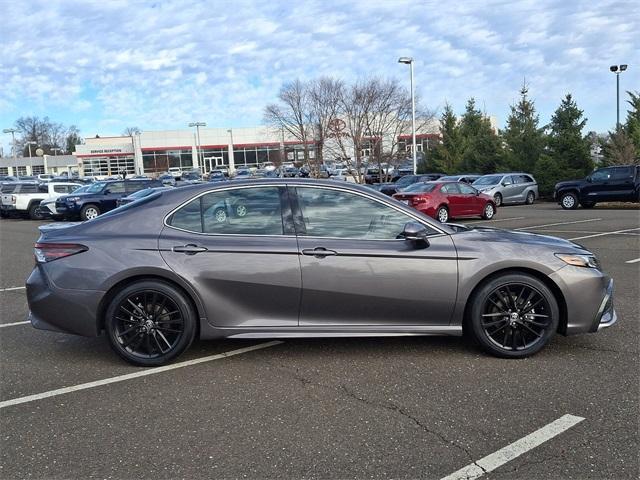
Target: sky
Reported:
[(106, 65)]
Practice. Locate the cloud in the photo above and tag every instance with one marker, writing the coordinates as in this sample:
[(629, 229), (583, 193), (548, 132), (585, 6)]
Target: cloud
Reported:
[(163, 64)]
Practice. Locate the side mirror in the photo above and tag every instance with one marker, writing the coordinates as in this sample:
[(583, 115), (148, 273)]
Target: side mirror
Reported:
[(416, 232), (589, 179), (477, 193), (107, 191), (504, 184)]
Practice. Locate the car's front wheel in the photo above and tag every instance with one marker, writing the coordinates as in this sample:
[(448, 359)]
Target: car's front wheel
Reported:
[(498, 199), (489, 211), (150, 323), (89, 212), (569, 201), (513, 315)]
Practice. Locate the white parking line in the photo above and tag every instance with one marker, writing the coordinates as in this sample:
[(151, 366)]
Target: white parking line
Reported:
[(129, 376), (635, 260), (515, 449), (2, 325), (560, 223), (501, 219), (606, 233), (10, 289)]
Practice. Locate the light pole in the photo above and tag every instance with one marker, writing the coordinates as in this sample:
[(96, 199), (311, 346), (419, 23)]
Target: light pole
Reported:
[(618, 69), (232, 160), (198, 125), (409, 61), (13, 131)]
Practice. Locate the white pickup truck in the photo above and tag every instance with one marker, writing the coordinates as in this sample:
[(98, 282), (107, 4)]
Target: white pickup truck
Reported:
[(24, 198)]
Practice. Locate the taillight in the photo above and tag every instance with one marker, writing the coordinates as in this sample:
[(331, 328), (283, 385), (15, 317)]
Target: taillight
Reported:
[(420, 199), (13, 199), (48, 252)]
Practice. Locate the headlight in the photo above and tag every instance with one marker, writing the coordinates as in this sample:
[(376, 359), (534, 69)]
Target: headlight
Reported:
[(72, 199), (588, 261)]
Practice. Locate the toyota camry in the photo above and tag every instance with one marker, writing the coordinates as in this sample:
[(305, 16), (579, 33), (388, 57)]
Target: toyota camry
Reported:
[(305, 258)]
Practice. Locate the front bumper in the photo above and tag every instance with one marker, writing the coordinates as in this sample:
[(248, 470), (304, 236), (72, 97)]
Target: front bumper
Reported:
[(61, 309), (606, 315)]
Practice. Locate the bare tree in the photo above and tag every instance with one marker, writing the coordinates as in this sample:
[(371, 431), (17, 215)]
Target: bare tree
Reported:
[(131, 131), (324, 98), (293, 114)]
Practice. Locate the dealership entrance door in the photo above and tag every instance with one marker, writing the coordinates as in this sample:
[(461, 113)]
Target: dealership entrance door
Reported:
[(211, 163)]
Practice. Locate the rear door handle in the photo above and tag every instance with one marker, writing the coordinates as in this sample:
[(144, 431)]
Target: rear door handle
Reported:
[(189, 249), (319, 252)]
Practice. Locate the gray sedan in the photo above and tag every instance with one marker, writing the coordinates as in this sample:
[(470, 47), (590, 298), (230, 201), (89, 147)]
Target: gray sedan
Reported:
[(306, 258)]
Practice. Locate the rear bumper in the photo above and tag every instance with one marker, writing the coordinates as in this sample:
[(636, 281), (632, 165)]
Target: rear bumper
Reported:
[(59, 309)]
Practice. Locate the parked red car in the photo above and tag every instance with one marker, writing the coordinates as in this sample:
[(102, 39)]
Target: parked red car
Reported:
[(444, 200)]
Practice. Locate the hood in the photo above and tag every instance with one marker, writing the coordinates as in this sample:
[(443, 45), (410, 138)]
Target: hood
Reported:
[(491, 234), (569, 183)]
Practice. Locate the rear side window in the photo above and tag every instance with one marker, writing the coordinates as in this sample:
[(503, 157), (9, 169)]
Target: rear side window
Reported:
[(622, 173), (117, 187), (246, 211), (64, 188), (7, 188), (525, 179)]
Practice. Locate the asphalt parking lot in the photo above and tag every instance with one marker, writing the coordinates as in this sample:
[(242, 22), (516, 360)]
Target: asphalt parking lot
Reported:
[(329, 408)]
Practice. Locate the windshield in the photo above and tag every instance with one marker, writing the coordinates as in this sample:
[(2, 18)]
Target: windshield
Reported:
[(405, 181), (420, 188), (96, 187), (488, 180)]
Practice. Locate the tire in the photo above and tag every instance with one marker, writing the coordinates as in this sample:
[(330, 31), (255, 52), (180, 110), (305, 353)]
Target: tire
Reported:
[(220, 215), (531, 197), (442, 215), (488, 212), (531, 315), (497, 198), (140, 339), (241, 210), (569, 201), (34, 212), (89, 211), (588, 204), (3, 214)]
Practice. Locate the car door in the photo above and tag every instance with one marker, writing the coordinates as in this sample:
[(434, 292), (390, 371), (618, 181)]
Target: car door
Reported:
[(112, 192), (598, 187), (509, 189), (622, 185), (472, 201), (237, 247), (457, 207), (357, 272)]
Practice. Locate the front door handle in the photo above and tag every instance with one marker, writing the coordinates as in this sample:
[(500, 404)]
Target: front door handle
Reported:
[(319, 252), (189, 249)]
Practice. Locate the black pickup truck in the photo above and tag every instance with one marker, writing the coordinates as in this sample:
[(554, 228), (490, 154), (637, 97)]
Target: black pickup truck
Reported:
[(607, 184)]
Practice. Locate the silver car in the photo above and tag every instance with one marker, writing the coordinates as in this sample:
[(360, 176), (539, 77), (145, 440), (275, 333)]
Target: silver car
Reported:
[(306, 258), (508, 187)]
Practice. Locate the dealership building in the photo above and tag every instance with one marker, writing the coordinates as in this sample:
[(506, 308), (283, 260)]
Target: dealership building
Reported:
[(204, 149)]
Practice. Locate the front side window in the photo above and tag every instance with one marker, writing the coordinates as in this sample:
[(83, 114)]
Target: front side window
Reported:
[(488, 180), (245, 211), (466, 189), (339, 214), (602, 175)]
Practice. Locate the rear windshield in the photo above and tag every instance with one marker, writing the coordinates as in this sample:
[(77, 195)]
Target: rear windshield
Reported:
[(420, 188), (135, 204), (488, 180)]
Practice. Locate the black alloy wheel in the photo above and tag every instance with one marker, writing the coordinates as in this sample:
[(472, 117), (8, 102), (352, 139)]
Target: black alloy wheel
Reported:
[(35, 213), (149, 323), (497, 198), (531, 197), (514, 316)]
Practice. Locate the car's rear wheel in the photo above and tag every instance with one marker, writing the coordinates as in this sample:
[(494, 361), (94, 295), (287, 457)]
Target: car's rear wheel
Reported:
[(531, 197), (89, 212), (241, 210), (513, 315), (34, 212), (569, 201), (489, 211), (150, 323), (588, 204), (220, 215), (497, 198), (442, 215)]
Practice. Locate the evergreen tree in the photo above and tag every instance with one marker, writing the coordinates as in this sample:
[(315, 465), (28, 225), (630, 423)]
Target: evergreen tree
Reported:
[(619, 149), (632, 125), (481, 145), (524, 140), (566, 142), (447, 156)]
